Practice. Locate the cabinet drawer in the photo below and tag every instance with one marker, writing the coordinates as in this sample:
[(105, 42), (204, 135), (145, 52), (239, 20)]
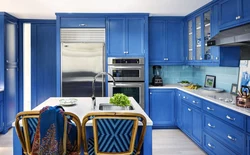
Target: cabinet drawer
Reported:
[(229, 135), (227, 115), (211, 146), (191, 99), (83, 22), (1, 96)]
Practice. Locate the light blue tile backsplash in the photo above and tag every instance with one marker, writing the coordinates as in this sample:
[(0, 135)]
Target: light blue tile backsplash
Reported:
[(225, 76)]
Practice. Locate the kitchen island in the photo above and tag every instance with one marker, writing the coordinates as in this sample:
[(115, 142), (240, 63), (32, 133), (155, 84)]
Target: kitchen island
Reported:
[(84, 106)]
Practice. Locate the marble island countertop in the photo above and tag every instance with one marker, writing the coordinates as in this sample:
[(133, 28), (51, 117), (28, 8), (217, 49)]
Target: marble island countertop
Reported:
[(224, 99), (84, 105)]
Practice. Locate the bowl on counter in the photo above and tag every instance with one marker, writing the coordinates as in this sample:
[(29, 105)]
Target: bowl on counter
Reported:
[(68, 102), (184, 84)]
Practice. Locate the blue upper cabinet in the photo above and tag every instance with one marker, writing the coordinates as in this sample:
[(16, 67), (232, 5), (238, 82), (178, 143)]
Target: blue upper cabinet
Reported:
[(233, 13), (245, 10), (200, 26), (126, 36), (166, 40), (116, 36), (229, 12), (156, 41), (135, 36), (198, 31)]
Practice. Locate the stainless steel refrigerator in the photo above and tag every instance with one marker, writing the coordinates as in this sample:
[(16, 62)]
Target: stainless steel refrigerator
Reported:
[(80, 62)]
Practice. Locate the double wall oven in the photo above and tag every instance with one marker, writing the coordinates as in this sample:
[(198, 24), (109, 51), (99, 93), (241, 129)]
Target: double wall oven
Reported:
[(129, 76)]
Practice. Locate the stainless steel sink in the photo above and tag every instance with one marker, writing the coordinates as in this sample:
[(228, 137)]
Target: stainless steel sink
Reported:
[(105, 106)]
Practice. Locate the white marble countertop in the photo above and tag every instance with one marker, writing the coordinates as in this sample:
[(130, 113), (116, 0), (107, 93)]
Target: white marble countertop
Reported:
[(209, 96), (84, 106)]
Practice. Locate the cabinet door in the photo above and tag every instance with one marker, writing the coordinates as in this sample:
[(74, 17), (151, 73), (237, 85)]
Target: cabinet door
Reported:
[(135, 36), (246, 10), (197, 126), (228, 11), (162, 107), (116, 36), (11, 95), (187, 119), (1, 116), (174, 42), (11, 42), (156, 41)]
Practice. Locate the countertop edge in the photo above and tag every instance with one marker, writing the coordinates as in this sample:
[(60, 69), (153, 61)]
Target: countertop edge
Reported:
[(233, 107)]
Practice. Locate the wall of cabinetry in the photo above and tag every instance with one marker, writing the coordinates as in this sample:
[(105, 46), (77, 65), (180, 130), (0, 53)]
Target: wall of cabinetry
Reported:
[(8, 68), (215, 129)]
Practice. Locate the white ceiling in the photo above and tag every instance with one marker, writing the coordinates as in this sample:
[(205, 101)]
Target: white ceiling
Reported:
[(46, 9)]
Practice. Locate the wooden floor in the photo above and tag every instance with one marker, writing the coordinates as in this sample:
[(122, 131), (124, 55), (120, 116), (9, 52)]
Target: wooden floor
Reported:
[(165, 142), (173, 142)]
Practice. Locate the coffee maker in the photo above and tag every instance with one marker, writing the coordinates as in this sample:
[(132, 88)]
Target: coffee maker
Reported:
[(157, 80)]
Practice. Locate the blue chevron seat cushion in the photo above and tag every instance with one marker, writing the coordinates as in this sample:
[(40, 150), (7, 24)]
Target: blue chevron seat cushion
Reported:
[(32, 124), (114, 135), (91, 149)]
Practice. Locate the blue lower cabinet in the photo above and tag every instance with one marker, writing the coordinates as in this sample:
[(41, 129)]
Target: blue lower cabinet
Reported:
[(192, 122), (212, 146), (161, 107), (228, 135), (1, 112), (187, 119), (248, 144)]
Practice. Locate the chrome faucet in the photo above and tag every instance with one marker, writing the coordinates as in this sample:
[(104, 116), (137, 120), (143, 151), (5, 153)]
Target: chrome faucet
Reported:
[(93, 86)]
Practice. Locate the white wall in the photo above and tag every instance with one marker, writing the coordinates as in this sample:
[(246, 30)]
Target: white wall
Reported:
[(27, 66)]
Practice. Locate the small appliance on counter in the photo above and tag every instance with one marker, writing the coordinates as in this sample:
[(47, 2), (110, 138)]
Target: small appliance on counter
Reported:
[(157, 80), (243, 97)]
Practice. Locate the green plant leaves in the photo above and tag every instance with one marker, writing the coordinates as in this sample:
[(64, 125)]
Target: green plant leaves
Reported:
[(120, 99)]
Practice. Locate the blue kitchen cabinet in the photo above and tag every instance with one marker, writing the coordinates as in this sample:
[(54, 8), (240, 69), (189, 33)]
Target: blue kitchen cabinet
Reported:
[(198, 31), (191, 117), (187, 119), (245, 10), (228, 12), (233, 13), (43, 47), (9, 68), (166, 40), (161, 108), (125, 36), (1, 111), (199, 28)]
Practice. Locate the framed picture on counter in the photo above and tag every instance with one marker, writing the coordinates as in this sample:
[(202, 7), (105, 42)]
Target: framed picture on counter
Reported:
[(210, 81), (234, 89)]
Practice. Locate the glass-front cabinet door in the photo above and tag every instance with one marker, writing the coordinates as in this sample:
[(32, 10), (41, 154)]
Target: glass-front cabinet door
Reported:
[(199, 29), (190, 40), (198, 54), (207, 32)]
